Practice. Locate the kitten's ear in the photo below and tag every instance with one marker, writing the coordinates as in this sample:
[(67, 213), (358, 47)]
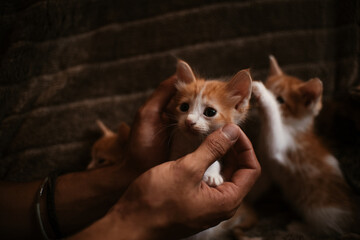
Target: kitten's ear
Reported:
[(184, 72), (240, 88), (275, 69), (311, 92), (106, 131)]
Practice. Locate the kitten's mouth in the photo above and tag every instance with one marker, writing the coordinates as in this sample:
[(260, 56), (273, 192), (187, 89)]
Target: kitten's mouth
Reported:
[(194, 132)]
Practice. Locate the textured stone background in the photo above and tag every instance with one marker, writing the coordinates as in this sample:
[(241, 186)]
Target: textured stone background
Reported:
[(66, 63)]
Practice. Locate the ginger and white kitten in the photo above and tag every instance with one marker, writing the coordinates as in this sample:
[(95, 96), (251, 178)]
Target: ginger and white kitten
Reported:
[(200, 107), (295, 158), (109, 148)]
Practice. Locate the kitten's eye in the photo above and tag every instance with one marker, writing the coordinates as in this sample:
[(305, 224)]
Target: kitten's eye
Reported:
[(101, 160), (209, 112), (280, 100), (184, 107)]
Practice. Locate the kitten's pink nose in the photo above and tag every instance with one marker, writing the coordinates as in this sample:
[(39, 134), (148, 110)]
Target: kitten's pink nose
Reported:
[(189, 123)]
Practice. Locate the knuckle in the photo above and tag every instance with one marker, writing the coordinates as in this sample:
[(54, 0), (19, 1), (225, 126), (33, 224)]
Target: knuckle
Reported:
[(228, 208), (145, 113), (189, 167), (177, 167), (184, 170), (142, 111), (216, 147), (256, 169)]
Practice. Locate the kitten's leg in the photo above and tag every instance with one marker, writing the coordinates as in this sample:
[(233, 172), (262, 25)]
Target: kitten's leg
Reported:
[(212, 175), (273, 132)]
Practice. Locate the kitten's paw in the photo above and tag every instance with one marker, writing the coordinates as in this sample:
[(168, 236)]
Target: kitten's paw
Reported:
[(258, 89), (213, 180)]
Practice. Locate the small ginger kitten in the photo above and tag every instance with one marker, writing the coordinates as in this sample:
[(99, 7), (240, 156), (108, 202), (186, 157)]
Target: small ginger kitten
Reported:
[(295, 158), (200, 107), (109, 148)]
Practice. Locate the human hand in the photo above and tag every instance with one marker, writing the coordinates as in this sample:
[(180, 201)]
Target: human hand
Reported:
[(148, 145), (172, 200)]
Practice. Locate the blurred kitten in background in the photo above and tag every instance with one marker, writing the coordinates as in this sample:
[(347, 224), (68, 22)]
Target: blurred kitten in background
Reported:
[(295, 158), (109, 148)]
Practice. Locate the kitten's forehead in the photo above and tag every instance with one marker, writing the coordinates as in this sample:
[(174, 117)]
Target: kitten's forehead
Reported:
[(283, 83), (210, 89), (211, 92), (214, 88), (191, 89)]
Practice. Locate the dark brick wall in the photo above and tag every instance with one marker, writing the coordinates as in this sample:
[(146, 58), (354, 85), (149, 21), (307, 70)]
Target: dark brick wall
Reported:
[(66, 63)]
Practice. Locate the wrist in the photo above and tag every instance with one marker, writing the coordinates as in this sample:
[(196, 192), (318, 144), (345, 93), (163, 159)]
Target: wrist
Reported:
[(131, 221), (93, 192), (117, 224)]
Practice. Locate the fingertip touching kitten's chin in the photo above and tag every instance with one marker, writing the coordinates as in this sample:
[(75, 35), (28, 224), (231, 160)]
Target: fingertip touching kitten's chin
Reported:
[(191, 132)]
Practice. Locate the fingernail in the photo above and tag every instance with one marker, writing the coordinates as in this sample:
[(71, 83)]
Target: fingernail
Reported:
[(230, 131)]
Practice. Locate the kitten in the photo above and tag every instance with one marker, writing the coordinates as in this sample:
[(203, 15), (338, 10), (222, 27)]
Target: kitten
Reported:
[(200, 107), (293, 155), (110, 147)]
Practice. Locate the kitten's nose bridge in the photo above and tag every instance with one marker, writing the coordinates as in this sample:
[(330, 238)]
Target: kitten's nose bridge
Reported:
[(191, 120)]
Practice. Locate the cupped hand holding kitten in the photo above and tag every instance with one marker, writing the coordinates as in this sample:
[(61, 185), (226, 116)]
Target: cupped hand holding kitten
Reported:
[(148, 143), (172, 199)]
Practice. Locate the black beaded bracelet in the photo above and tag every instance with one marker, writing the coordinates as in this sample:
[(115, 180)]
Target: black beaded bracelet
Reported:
[(48, 186), (38, 209), (50, 203)]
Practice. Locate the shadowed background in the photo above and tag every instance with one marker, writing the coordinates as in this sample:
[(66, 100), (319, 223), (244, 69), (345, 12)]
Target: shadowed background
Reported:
[(66, 63)]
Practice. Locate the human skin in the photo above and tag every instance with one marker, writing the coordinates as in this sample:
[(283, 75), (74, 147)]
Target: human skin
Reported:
[(171, 201), (83, 197)]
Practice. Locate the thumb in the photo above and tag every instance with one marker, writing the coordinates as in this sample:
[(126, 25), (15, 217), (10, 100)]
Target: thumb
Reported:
[(215, 146)]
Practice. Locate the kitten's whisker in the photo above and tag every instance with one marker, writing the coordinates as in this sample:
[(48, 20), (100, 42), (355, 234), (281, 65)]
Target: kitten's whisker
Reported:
[(176, 129), (172, 116), (165, 128)]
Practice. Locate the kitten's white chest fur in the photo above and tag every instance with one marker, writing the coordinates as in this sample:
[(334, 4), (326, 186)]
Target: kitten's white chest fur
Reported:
[(273, 130), (184, 144)]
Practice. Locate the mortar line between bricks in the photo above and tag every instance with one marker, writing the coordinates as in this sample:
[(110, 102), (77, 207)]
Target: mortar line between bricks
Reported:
[(150, 19), (174, 51)]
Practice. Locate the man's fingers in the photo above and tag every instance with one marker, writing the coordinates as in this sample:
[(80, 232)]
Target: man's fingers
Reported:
[(161, 96), (246, 158), (242, 168), (214, 147), (246, 166)]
